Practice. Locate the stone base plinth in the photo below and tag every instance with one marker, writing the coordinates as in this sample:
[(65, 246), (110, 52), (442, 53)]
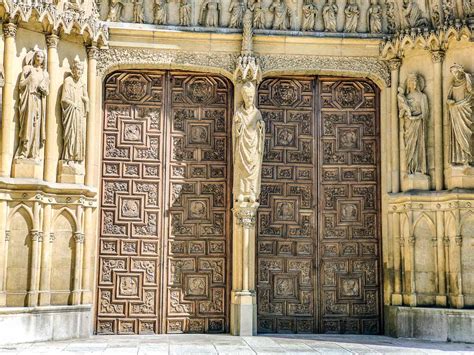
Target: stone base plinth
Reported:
[(27, 168), (32, 324), (438, 324), (416, 182), (459, 176), (70, 172), (244, 313)]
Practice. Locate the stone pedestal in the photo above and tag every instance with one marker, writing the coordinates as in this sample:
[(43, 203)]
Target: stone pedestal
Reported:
[(441, 301), (459, 176), (416, 182), (27, 168), (70, 172), (244, 313), (397, 299)]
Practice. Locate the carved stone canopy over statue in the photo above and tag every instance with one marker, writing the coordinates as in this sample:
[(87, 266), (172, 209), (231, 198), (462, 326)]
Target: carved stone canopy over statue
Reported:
[(75, 105), (33, 89), (248, 136), (460, 114), (414, 111)]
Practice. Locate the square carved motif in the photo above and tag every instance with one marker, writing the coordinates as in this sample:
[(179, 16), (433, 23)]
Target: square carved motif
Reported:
[(285, 136), (348, 138), (197, 209), (285, 287), (196, 286), (349, 211), (128, 286), (285, 211), (132, 132), (199, 135), (130, 208), (350, 287)]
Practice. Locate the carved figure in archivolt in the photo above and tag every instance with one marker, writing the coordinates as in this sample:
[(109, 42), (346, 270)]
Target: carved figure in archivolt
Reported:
[(248, 135), (414, 111), (374, 17), (160, 12), (309, 14), (280, 14), (329, 16), (184, 13), (115, 10), (258, 14), (352, 13), (33, 89), (413, 14), (138, 11), (209, 15), (236, 9), (75, 105), (460, 114)]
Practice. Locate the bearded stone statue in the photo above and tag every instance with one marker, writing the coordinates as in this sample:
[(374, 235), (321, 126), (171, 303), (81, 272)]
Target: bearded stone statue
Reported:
[(248, 137)]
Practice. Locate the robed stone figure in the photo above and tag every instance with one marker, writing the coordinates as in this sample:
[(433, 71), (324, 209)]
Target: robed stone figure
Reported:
[(248, 137), (33, 89), (414, 111), (75, 105), (460, 114)]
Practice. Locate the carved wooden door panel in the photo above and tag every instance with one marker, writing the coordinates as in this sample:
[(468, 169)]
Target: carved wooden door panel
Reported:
[(198, 219), (164, 234), (324, 277)]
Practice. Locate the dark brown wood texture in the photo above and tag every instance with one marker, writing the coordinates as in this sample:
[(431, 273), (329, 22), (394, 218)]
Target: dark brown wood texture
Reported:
[(318, 256), (165, 210)]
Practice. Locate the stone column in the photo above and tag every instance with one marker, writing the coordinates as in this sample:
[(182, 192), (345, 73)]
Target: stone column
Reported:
[(441, 264), (457, 297), (395, 141), (437, 104), (397, 261), (92, 150), (88, 255), (3, 250), (51, 153), (410, 295), (45, 274), (8, 126), (243, 303), (76, 293), (36, 236)]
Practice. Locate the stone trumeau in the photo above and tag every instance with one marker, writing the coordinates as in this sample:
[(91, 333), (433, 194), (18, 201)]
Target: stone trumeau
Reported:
[(236, 166)]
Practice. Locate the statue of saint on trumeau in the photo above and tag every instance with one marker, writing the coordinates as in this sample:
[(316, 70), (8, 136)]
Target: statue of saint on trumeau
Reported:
[(459, 102), (248, 137), (33, 89), (75, 105), (414, 111)]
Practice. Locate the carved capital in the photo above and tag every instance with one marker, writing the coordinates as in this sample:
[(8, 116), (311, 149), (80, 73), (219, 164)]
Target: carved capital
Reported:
[(402, 241), (79, 237), (458, 240), (446, 241), (246, 215), (395, 64), (437, 56), (92, 52), (9, 30), (7, 235), (247, 69), (52, 40), (51, 237), (36, 236), (411, 240)]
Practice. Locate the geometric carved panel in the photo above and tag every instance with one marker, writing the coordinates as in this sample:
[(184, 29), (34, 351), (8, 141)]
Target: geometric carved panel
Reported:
[(319, 206), (165, 149)]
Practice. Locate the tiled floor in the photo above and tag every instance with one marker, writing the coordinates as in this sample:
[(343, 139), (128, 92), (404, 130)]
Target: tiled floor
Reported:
[(226, 344)]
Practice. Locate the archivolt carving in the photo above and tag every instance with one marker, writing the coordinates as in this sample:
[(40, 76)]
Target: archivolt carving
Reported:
[(107, 58), (356, 66)]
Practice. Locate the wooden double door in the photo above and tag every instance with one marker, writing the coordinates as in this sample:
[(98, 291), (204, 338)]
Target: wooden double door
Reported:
[(318, 228), (164, 245)]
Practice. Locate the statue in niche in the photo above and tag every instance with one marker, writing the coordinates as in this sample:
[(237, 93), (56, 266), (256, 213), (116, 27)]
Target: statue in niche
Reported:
[(74, 105), (309, 15), (248, 137), (391, 26), (258, 14), (209, 15), (115, 11), (374, 17), (329, 16), (184, 13), (236, 9), (280, 14), (459, 102), (414, 111), (352, 13), (33, 89), (413, 14), (160, 12), (138, 11)]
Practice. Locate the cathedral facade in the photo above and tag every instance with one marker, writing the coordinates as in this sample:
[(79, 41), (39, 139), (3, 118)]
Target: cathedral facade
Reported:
[(236, 166)]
